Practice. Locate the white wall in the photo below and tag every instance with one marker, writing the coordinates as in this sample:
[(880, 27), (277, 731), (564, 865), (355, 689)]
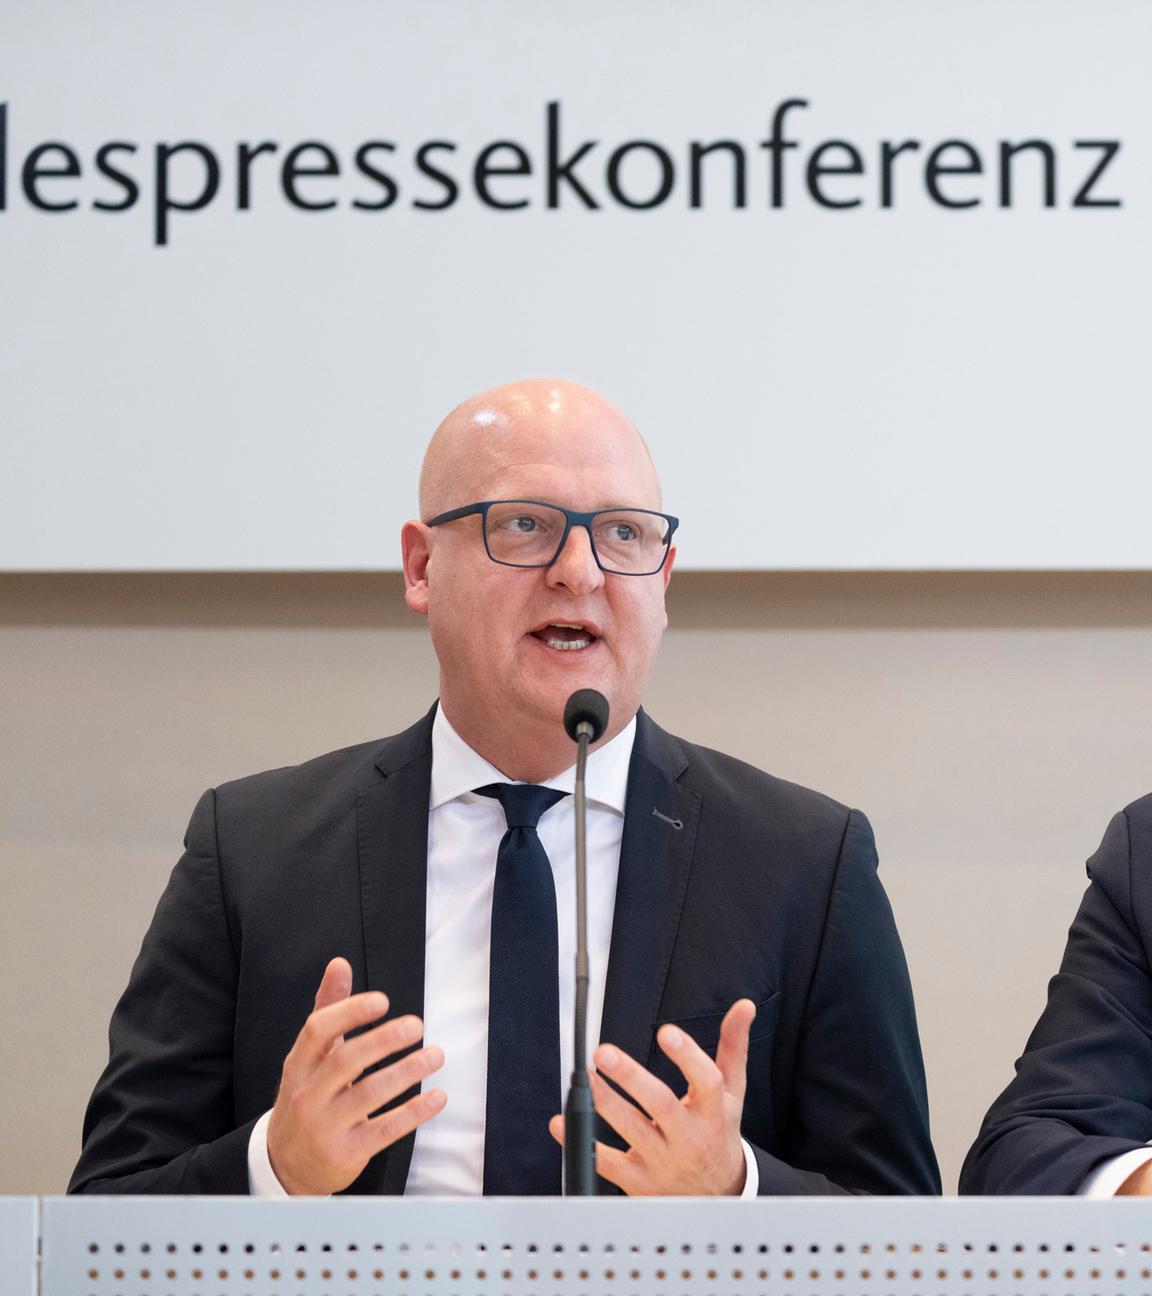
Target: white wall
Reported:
[(989, 725)]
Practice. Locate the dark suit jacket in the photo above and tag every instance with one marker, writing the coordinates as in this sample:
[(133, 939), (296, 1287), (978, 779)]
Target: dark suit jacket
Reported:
[(1083, 1089), (757, 888)]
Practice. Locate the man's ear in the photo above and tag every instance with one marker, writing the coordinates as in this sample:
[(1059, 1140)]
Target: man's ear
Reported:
[(666, 576), (414, 545)]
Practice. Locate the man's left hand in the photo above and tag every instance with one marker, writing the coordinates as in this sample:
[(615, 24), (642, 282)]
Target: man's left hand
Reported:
[(686, 1146)]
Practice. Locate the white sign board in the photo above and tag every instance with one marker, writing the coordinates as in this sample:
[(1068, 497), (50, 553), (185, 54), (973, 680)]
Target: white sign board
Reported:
[(874, 279)]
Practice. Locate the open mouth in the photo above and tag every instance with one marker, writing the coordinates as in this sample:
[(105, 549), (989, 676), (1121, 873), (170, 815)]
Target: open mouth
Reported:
[(565, 636)]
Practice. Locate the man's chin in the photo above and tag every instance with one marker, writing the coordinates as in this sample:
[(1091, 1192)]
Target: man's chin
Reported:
[(546, 692)]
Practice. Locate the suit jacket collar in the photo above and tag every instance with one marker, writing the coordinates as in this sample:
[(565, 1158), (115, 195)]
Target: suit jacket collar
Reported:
[(392, 844), (660, 825)]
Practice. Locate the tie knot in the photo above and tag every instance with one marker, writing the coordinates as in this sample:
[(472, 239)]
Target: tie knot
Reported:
[(523, 803)]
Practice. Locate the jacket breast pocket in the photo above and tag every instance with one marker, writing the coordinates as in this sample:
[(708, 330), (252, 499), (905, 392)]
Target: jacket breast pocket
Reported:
[(704, 1028)]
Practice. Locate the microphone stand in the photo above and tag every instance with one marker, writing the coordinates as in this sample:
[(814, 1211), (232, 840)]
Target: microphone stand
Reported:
[(579, 1113)]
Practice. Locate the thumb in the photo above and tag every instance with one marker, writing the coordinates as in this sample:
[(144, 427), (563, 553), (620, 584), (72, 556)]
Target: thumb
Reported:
[(336, 983), (732, 1051)]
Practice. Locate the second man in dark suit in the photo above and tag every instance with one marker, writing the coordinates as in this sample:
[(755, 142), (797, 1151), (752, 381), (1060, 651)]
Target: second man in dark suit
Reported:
[(1077, 1119)]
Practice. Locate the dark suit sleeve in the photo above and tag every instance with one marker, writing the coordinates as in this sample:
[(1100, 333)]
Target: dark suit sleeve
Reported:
[(1083, 1088), (161, 1117), (860, 1114)]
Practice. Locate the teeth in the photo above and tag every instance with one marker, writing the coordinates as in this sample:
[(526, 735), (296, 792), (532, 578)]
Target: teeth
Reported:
[(570, 645)]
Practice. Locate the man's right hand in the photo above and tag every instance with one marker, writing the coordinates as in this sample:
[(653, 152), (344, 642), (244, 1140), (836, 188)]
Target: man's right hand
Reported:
[(319, 1135)]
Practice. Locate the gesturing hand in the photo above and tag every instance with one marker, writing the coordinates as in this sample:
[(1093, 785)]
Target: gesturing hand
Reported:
[(320, 1136), (686, 1146)]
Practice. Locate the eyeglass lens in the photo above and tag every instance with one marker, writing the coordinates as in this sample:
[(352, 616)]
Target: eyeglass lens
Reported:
[(529, 535)]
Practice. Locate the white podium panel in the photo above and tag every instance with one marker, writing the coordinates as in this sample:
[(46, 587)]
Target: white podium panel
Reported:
[(18, 1241), (531, 1247)]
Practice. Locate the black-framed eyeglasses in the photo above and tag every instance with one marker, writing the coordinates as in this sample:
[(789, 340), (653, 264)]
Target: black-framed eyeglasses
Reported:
[(531, 533)]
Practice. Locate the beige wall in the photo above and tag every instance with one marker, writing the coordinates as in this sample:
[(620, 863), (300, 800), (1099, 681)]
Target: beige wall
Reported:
[(988, 724)]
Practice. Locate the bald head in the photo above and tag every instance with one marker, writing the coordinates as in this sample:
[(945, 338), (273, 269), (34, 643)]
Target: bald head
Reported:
[(512, 429), (515, 640)]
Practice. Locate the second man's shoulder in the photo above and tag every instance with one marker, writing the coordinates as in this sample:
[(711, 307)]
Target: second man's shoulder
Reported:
[(1122, 863), (1139, 814)]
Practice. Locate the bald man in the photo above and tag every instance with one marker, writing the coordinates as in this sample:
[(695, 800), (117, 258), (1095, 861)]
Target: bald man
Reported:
[(360, 977)]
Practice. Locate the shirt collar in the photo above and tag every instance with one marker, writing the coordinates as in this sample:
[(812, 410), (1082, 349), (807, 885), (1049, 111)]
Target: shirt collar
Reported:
[(458, 770)]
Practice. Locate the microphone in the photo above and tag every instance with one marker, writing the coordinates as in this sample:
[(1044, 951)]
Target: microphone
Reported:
[(585, 719), (586, 707)]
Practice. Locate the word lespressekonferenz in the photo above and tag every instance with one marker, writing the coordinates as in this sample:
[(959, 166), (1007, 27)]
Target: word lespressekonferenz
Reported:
[(559, 169)]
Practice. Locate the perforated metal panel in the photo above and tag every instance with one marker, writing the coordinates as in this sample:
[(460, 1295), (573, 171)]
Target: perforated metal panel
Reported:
[(18, 1238), (792, 1247)]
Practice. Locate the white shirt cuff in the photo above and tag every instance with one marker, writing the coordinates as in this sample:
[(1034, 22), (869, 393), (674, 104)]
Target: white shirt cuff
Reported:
[(751, 1171), (262, 1181), (1110, 1175)]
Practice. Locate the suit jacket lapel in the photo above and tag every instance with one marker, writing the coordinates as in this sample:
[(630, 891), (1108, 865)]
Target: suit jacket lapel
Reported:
[(392, 843), (660, 823)]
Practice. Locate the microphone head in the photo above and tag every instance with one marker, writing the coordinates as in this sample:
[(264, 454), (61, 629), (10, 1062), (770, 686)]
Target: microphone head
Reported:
[(586, 706)]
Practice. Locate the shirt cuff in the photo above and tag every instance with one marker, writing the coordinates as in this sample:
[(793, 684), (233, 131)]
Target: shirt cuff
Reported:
[(751, 1171), (262, 1181), (1110, 1175)]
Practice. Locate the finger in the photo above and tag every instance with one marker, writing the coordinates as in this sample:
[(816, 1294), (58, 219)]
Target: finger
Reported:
[(335, 984), (328, 1026), (360, 1100), (617, 1167), (347, 1063), (732, 1051), (382, 1131), (653, 1095), (705, 1083), (620, 1168), (625, 1118)]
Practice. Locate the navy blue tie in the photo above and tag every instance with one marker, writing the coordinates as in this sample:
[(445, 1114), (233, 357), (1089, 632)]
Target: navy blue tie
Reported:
[(520, 1157)]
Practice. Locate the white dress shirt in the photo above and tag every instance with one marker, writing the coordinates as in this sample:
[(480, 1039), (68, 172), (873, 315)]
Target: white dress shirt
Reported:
[(464, 833), (1110, 1175)]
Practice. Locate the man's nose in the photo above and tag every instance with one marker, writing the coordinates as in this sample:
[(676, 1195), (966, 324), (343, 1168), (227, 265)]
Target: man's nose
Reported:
[(575, 567)]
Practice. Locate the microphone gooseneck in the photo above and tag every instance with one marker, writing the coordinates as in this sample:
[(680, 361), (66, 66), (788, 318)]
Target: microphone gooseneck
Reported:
[(585, 719)]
